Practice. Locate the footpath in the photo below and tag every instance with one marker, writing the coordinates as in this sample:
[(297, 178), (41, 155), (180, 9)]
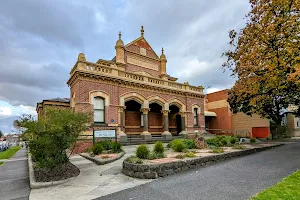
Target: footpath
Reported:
[(92, 182), (14, 181)]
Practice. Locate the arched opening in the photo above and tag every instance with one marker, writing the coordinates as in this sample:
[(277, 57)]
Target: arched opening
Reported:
[(174, 120), (155, 118), (133, 122)]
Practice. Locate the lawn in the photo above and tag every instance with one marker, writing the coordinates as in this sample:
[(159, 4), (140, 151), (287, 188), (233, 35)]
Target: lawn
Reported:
[(9, 152), (287, 189)]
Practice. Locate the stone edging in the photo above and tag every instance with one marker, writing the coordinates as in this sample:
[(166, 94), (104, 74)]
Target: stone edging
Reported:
[(36, 185), (102, 162), (154, 171)]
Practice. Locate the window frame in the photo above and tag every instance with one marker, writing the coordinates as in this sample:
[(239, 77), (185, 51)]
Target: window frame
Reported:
[(103, 100), (196, 117)]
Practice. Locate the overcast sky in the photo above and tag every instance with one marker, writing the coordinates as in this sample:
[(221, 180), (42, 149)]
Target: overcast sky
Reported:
[(40, 41)]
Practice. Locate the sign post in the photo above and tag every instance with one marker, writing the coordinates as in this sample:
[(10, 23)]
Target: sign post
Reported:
[(93, 136)]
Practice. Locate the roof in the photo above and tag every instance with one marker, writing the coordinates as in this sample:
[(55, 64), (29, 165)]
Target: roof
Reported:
[(58, 99), (209, 114)]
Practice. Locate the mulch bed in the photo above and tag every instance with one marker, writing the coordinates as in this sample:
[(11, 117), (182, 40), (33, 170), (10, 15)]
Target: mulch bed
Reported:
[(45, 175)]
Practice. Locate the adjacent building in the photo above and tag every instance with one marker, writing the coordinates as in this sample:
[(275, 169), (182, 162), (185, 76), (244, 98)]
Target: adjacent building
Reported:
[(220, 120), (55, 103)]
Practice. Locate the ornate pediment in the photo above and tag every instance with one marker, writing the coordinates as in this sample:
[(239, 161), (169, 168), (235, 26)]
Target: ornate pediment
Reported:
[(142, 47)]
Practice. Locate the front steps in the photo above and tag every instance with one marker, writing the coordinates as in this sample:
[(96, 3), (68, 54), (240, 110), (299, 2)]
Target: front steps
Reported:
[(137, 139)]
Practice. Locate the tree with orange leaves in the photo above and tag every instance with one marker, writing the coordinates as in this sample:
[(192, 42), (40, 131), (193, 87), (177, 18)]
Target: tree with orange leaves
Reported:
[(265, 57)]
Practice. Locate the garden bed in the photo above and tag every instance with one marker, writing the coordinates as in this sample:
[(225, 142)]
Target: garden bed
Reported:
[(104, 158), (66, 171), (174, 162), (39, 177)]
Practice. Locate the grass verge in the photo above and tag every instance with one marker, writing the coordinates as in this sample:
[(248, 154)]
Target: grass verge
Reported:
[(1, 163), (9, 152), (287, 189)]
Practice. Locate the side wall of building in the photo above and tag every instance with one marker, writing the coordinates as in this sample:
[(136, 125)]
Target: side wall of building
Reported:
[(241, 122)]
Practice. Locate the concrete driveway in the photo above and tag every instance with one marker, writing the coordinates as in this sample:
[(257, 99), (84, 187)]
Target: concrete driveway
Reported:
[(14, 182), (234, 179)]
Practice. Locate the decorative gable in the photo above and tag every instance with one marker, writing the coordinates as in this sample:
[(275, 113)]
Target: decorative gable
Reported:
[(141, 47)]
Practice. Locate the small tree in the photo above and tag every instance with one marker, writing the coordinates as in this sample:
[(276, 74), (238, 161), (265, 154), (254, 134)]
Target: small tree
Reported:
[(1, 134), (52, 135)]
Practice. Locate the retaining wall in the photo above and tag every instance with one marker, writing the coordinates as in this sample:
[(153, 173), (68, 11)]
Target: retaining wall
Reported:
[(153, 171)]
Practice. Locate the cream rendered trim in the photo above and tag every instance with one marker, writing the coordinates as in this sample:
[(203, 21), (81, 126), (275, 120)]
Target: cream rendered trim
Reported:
[(217, 104), (131, 96), (99, 93), (157, 99), (178, 103), (196, 106)]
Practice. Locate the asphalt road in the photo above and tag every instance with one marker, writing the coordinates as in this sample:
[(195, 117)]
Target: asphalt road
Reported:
[(234, 179), (14, 181)]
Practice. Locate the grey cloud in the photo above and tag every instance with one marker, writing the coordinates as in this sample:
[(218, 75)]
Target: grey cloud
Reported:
[(54, 21), (41, 39)]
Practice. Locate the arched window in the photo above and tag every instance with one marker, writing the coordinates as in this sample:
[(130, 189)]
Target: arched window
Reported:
[(99, 116)]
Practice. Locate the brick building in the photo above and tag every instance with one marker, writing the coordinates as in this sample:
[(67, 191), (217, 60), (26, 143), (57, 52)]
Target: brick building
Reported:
[(133, 94), (219, 119), (55, 103)]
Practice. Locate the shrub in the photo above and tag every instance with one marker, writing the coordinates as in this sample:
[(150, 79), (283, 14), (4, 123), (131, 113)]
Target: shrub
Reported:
[(159, 147), (224, 141), (134, 160), (238, 146), (154, 155), (213, 142), (106, 144), (178, 145), (180, 156), (142, 151), (189, 144), (88, 150), (233, 140), (116, 147), (252, 140), (217, 150), (190, 155), (97, 148), (51, 135), (269, 137)]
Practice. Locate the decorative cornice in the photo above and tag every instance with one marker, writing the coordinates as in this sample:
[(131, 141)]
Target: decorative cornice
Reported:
[(129, 83)]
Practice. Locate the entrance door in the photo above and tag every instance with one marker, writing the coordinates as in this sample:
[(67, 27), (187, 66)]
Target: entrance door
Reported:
[(178, 124)]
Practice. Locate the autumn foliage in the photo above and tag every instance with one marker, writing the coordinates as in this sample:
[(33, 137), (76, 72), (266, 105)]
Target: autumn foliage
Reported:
[(265, 58)]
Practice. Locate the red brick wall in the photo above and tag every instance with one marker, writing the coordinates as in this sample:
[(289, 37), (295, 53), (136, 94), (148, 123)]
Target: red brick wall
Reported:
[(155, 122), (223, 119), (82, 145), (133, 118), (149, 53), (83, 87), (216, 96)]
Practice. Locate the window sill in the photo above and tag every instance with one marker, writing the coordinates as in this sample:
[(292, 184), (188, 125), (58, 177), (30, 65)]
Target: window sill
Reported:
[(99, 124)]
